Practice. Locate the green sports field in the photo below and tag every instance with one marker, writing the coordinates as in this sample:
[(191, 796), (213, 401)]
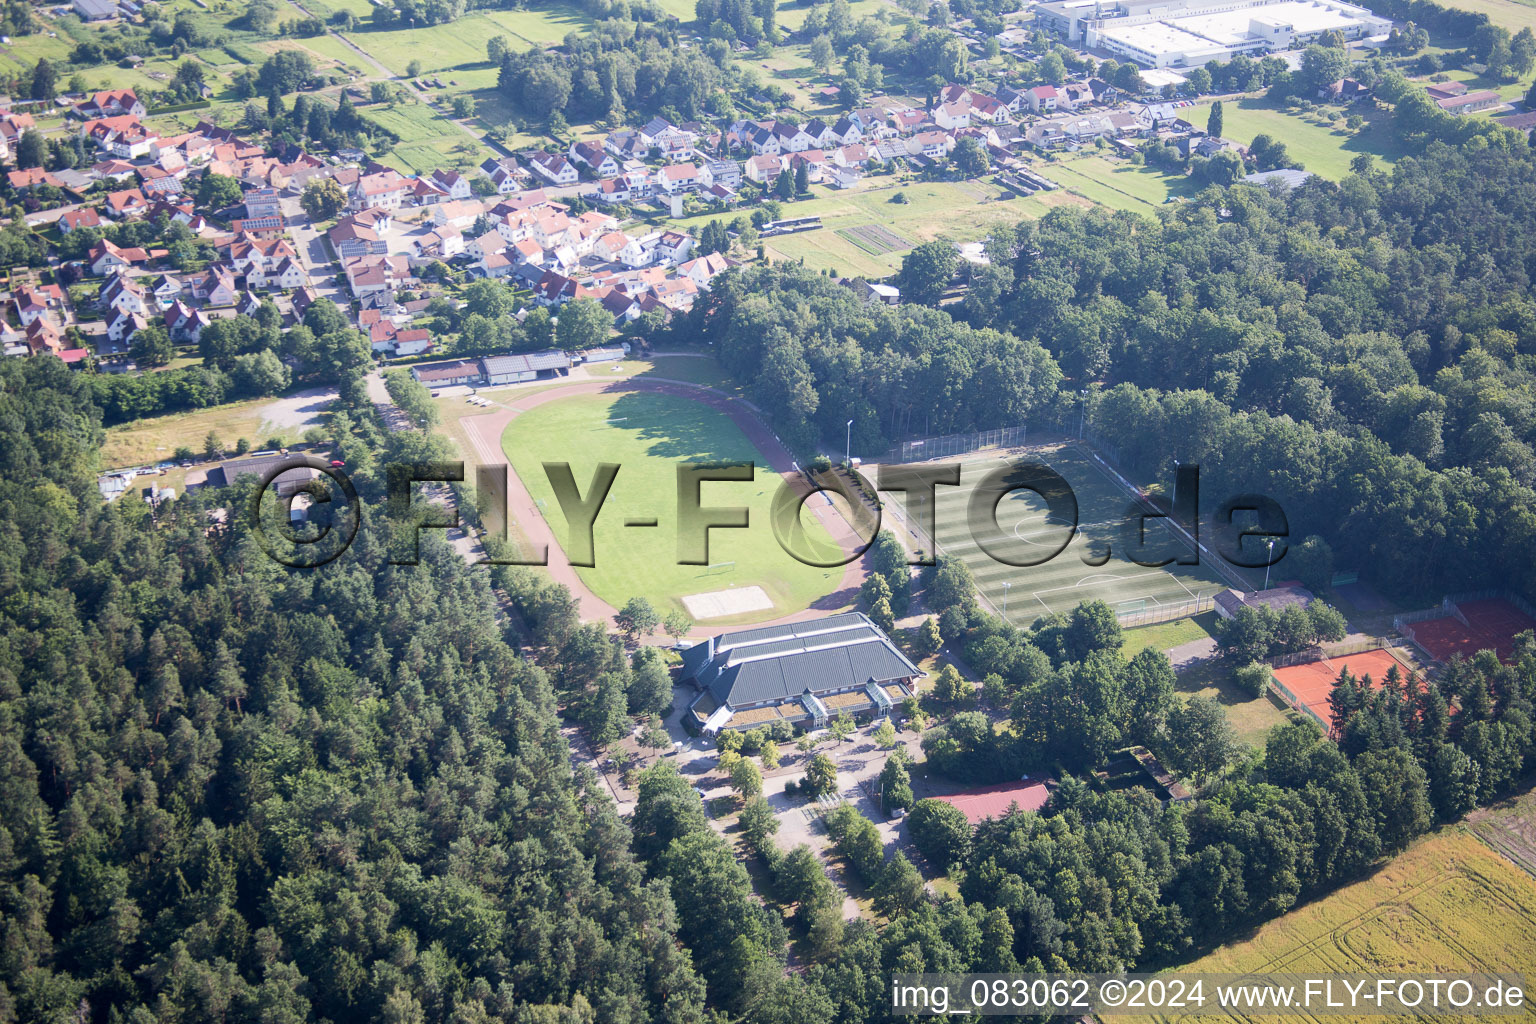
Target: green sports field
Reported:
[(648, 435), (1065, 579)]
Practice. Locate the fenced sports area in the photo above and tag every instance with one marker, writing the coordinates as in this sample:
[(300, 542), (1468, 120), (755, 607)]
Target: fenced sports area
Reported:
[(1306, 686), (1138, 594), (1466, 624)]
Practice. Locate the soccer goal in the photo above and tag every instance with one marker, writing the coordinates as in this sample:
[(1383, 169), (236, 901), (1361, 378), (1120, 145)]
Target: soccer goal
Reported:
[(719, 567)]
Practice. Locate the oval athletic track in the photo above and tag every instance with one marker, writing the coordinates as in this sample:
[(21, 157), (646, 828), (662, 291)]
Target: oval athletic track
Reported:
[(485, 433)]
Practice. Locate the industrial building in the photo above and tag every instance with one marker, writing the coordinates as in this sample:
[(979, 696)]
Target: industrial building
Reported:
[(1188, 33)]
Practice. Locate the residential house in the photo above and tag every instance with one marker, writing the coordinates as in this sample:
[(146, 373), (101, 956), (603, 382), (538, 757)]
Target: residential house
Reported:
[(451, 183), (385, 189), (352, 239), (672, 247), (165, 289), (128, 204), (765, 168), (554, 168), (441, 243), (123, 137), (952, 115), (676, 293), (820, 133), (703, 269), (263, 202), (677, 178), (32, 177), (85, 217), (846, 131), (215, 286), (32, 302), (122, 294), (595, 158), (105, 256), (111, 103), (723, 172), (413, 341), (184, 323), (123, 326), (1043, 99), (1016, 100), (934, 145)]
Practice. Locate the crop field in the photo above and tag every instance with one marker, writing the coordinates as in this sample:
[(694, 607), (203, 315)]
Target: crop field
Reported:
[(1070, 565), (23, 51), (875, 240), (439, 47), (1510, 828), (648, 435), (1324, 150), (1447, 905)]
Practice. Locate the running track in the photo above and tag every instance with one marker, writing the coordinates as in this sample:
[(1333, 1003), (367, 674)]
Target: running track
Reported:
[(485, 435)]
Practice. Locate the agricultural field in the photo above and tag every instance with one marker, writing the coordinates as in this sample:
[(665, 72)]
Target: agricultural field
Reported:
[(1324, 150), (440, 47), (428, 139), (1512, 14), (844, 246), (24, 51), (648, 435), (1447, 905)]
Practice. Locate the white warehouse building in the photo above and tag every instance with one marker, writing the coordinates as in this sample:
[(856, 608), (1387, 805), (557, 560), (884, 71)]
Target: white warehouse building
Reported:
[(1188, 33)]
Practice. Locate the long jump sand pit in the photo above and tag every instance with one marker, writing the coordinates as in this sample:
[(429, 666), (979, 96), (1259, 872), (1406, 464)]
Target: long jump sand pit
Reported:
[(720, 603)]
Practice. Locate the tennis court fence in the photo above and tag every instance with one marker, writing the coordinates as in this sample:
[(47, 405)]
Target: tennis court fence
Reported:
[(1292, 701), (947, 446), (1342, 649)]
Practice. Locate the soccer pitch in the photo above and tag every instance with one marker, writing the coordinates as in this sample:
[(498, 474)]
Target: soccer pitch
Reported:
[(648, 435), (1028, 531)]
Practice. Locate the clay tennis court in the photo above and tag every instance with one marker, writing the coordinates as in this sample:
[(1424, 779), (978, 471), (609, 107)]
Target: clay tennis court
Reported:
[(1492, 624), (1310, 683)]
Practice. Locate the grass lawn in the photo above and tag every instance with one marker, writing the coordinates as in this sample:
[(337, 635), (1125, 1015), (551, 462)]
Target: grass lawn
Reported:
[(1118, 184), (1251, 717), (440, 47), (1169, 634), (956, 210), (323, 9), (700, 369), (1512, 14), (1446, 904), (648, 435), (428, 139), (1322, 149), (155, 438), (792, 13)]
